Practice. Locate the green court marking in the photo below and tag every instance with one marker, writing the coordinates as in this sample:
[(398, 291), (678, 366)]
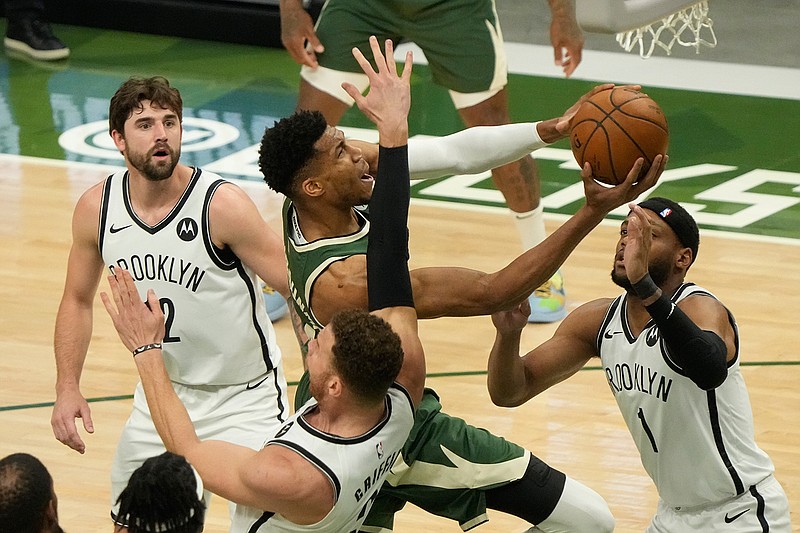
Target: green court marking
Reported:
[(294, 384)]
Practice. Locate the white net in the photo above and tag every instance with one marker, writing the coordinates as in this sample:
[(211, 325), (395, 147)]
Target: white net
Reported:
[(689, 27)]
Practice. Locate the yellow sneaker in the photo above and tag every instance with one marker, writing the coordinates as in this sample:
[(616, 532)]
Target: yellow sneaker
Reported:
[(548, 302)]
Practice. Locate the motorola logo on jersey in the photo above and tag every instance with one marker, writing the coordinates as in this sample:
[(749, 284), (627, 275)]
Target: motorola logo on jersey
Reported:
[(187, 229), (652, 336)]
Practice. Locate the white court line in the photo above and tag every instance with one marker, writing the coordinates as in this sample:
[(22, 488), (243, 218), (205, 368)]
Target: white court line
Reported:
[(668, 72), (253, 187)]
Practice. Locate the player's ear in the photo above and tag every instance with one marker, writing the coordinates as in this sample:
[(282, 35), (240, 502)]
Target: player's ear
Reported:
[(312, 187), (684, 259), (119, 140), (335, 386)]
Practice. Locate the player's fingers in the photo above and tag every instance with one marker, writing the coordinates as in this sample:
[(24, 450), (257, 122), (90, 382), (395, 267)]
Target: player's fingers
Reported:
[(558, 56), (107, 303), (408, 66), (86, 417), (68, 435), (586, 171), (575, 57), (75, 442), (153, 304), (653, 173), (363, 63), (633, 174), (314, 43), (129, 289), (389, 50), (354, 93), (380, 61), (116, 293)]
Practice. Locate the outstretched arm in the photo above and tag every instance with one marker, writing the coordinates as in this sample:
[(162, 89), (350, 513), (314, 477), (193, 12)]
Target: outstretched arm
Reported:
[(513, 380), (481, 148), (464, 292), (697, 332), (226, 469), (388, 281)]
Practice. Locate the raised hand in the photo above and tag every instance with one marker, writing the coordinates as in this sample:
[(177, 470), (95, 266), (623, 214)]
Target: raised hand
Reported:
[(606, 198), (389, 98), (637, 244), (514, 319), (137, 323)]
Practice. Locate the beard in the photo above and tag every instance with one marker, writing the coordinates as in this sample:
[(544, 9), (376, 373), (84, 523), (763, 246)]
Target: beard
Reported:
[(151, 170), (659, 271)]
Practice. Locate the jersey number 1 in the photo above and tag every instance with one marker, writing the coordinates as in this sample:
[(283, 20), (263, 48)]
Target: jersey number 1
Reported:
[(646, 428)]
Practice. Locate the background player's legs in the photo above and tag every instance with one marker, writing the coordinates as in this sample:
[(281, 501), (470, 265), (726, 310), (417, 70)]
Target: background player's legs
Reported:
[(311, 98), (519, 183)]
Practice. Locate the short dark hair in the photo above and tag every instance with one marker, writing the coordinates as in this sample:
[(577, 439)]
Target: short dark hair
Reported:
[(130, 95), (367, 353), (287, 147), (162, 495), (26, 489)]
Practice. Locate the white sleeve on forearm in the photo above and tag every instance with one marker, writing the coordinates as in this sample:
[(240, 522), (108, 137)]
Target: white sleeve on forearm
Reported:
[(471, 150)]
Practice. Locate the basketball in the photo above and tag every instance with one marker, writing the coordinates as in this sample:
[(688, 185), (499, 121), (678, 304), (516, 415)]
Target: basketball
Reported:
[(614, 128)]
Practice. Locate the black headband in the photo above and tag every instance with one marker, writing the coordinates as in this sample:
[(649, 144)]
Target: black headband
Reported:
[(678, 219)]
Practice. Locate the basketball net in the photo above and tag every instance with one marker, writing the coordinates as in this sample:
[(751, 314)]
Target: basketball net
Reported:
[(690, 27)]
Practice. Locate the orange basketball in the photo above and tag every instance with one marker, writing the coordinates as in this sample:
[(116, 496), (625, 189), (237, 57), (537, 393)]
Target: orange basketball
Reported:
[(614, 128)]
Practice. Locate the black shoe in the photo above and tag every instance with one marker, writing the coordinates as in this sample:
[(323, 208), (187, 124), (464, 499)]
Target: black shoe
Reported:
[(34, 37)]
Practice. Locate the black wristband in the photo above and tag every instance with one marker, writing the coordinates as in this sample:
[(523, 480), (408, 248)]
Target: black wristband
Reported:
[(145, 347), (645, 287)]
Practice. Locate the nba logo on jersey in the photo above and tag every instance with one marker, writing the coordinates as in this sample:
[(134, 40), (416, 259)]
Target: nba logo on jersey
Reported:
[(187, 229), (379, 450)]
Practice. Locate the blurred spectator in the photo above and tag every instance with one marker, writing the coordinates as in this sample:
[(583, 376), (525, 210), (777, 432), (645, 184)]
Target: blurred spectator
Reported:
[(28, 503)]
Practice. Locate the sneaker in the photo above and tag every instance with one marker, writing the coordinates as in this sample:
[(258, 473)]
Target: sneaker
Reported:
[(548, 302), (34, 37), (277, 307)]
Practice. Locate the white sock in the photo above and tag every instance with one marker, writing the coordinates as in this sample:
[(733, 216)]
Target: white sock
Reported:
[(530, 226)]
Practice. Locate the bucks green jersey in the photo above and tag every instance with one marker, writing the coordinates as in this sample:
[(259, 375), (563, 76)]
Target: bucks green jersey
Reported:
[(307, 261)]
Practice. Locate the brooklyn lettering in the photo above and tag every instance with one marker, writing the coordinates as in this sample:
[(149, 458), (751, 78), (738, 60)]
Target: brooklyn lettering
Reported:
[(639, 378), (163, 268)]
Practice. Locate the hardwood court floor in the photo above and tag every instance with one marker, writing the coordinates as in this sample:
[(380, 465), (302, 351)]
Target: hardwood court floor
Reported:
[(575, 426)]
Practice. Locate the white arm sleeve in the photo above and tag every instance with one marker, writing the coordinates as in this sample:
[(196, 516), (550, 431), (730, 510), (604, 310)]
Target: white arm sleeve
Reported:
[(471, 150)]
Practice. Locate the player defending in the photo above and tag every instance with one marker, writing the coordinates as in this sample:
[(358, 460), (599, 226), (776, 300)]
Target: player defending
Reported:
[(694, 428), (325, 176), (367, 372)]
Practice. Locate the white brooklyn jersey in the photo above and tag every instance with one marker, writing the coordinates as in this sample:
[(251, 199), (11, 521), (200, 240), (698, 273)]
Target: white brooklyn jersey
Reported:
[(217, 329), (356, 467), (698, 446)]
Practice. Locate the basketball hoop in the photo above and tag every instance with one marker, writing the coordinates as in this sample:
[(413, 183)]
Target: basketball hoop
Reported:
[(647, 24)]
